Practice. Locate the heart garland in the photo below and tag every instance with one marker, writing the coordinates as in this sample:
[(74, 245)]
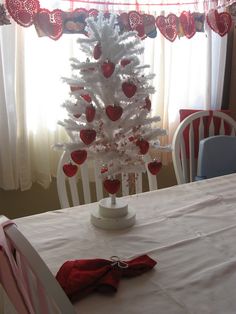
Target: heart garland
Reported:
[(79, 156), (111, 185), (87, 136), (219, 22), (154, 167), (49, 22), (168, 26), (23, 12), (114, 112), (69, 169)]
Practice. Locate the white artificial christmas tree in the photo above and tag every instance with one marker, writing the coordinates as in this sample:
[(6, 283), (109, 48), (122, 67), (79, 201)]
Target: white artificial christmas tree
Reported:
[(109, 108)]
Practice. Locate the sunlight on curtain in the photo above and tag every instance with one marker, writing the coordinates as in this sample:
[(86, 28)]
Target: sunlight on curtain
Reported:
[(189, 74)]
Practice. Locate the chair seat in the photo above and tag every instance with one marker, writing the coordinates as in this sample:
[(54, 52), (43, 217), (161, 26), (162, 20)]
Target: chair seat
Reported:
[(217, 156)]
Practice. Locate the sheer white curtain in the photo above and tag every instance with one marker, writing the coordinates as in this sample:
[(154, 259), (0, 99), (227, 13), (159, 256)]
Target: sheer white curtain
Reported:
[(189, 74)]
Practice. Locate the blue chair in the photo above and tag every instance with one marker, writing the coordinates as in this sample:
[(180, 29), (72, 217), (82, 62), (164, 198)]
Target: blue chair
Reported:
[(217, 156)]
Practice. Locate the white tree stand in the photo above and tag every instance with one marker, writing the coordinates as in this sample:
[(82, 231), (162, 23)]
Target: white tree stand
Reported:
[(112, 214)]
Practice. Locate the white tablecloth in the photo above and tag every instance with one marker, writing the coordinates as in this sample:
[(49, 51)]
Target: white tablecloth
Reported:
[(189, 229)]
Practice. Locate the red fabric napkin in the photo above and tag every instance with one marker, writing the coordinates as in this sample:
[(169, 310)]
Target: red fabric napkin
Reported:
[(80, 277)]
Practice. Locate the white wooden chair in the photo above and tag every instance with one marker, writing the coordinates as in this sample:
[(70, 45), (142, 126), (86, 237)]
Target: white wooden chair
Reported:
[(187, 136), (69, 195), (25, 278)]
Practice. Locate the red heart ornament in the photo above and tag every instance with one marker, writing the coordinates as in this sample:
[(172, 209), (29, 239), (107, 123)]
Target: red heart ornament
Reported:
[(86, 97), (23, 12), (143, 145), (219, 22), (104, 169), (49, 23), (97, 52), (108, 69), (87, 136), (154, 167), (114, 112), (125, 62), (77, 115), (129, 89), (90, 113), (148, 104), (168, 26), (79, 156), (69, 169), (188, 24), (111, 186)]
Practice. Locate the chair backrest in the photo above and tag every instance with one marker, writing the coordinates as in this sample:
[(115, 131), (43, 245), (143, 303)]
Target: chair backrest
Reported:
[(189, 133), (68, 190), (25, 278), (217, 156)]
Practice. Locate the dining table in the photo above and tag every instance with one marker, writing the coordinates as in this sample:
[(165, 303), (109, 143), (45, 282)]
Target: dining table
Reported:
[(188, 229)]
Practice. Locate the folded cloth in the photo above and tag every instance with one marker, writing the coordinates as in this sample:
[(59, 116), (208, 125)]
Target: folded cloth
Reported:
[(81, 277)]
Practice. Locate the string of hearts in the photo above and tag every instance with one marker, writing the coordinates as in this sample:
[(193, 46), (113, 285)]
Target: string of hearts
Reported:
[(57, 22)]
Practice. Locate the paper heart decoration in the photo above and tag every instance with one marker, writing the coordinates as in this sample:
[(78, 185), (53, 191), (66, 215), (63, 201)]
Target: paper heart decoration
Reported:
[(74, 22), (69, 169), (97, 51), (188, 24), (129, 89), (23, 12), (111, 186), (168, 26), (79, 156), (148, 104), (143, 145), (90, 113), (125, 62), (136, 23), (86, 97), (154, 167), (75, 88), (219, 22), (114, 112), (149, 25), (108, 69), (49, 23), (87, 136)]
